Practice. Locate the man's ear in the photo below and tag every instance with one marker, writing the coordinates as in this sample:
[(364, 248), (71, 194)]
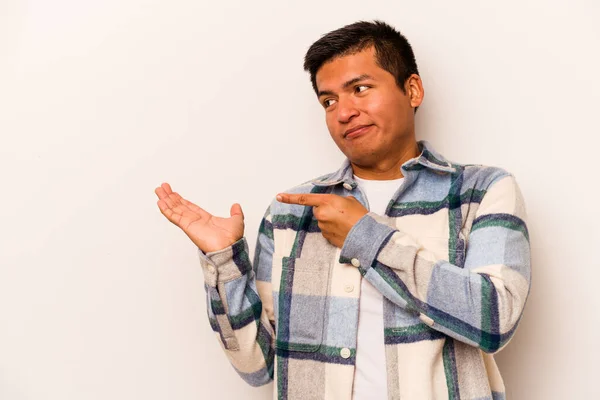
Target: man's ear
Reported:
[(414, 90)]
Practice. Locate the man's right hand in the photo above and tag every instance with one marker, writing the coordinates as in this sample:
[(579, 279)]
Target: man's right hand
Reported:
[(208, 232)]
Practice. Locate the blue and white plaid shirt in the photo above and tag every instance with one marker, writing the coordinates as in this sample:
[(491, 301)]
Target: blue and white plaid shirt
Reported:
[(451, 257)]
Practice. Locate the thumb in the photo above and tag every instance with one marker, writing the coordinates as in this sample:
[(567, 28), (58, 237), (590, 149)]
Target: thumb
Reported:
[(236, 209)]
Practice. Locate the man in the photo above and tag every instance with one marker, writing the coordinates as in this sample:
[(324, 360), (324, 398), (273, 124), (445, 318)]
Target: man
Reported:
[(398, 276)]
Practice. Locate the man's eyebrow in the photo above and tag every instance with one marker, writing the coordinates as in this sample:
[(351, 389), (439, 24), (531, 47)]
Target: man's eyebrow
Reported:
[(356, 80), (346, 84)]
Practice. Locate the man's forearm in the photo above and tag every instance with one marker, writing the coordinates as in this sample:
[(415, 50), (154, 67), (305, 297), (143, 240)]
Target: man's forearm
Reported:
[(236, 312), (479, 304)]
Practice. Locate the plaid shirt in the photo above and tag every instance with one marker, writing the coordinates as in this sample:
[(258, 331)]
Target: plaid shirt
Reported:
[(451, 257)]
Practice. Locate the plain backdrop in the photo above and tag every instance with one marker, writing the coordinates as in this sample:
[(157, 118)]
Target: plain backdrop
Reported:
[(101, 101)]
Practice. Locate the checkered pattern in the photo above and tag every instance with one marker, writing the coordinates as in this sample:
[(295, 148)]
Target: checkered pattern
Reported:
[(451, 257)]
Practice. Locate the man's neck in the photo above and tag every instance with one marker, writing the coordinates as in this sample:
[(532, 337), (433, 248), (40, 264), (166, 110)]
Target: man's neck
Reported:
[(388, 169)]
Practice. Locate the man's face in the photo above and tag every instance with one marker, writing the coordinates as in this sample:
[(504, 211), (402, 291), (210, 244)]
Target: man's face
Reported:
[(368, 116)]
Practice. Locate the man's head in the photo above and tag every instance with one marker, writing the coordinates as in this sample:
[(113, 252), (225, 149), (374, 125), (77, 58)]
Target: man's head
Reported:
[(365, 74)]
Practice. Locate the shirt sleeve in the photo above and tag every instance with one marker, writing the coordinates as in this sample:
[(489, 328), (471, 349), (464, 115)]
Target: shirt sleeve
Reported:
[(480, 303), (240, 307)]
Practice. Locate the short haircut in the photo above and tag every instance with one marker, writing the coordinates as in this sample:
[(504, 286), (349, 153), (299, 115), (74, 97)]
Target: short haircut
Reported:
[(393, 53)]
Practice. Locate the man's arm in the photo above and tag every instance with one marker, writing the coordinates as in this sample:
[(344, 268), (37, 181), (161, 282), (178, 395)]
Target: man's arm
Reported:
[(240, 313), (480, 304)]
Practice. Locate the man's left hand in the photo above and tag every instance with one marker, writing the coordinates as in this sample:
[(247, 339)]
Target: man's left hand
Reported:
[(336, 214)]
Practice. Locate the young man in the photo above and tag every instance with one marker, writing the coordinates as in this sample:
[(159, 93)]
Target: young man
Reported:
[(398, 276)]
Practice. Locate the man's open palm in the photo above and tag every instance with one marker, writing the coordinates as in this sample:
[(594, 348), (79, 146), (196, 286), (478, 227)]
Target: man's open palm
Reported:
[(208, 232)]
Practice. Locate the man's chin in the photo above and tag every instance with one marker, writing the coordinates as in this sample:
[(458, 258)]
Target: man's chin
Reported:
[(366, 161)]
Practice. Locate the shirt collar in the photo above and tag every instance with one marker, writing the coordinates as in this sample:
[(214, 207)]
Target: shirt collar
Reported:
[(428, 158)]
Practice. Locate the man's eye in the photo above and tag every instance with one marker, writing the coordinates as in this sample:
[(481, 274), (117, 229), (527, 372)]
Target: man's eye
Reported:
[(361, 88), (328, 102)]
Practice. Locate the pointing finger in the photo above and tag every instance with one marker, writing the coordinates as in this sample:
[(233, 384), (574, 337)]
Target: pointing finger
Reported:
[(304, 199)]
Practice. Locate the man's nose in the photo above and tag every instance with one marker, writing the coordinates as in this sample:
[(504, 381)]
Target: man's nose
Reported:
[(346, 110)]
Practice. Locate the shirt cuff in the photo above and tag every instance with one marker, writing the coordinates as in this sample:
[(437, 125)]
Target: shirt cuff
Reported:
[(364, 241), (226, 264)]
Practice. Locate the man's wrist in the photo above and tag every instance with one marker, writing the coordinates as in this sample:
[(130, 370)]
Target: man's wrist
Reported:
[(364, 241), (226, 264)]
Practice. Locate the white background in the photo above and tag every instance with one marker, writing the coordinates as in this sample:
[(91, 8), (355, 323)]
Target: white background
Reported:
[(101, 101)]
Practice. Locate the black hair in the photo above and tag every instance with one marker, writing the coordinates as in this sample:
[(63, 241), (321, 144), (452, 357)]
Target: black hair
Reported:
[(393, 53)]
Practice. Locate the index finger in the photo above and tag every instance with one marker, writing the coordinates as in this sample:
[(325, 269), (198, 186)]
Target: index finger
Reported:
[(304, 199)]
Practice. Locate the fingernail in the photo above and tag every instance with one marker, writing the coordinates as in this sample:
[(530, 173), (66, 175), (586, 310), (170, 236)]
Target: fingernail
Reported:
[(279, 198)]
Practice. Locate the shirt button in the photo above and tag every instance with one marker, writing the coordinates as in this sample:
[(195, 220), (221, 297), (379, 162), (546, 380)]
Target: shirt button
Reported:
[(211, 269), (345, 353), (349, 287), (355, 262), (347, 186)]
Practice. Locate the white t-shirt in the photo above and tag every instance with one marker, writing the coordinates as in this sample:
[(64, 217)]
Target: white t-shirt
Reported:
[(370, 376)]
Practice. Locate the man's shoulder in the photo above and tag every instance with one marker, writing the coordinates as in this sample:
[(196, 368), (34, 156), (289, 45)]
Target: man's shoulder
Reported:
[(314, 185), (473, 175), (481, 176)]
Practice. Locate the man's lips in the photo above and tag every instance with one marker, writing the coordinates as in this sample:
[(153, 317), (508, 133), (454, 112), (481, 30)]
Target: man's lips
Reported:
[(355, 131)]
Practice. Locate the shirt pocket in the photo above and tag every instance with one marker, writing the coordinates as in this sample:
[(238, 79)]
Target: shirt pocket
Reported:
[(301, 302)]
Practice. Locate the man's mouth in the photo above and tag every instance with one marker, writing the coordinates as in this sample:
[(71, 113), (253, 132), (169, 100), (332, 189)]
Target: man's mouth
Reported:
[(355, 131)]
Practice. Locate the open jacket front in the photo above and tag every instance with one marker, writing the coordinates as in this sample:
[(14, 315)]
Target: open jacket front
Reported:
[(451, 257)]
